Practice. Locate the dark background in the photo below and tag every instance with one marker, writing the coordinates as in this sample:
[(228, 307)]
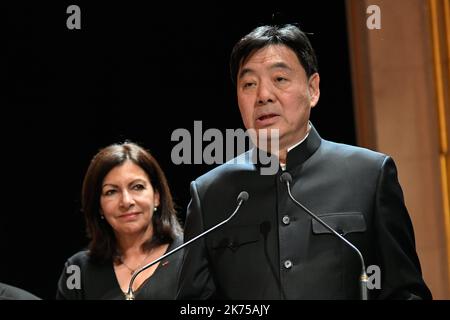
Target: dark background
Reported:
[(132, 72)]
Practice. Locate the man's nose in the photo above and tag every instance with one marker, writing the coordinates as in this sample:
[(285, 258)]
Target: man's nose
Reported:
[(265, 94)]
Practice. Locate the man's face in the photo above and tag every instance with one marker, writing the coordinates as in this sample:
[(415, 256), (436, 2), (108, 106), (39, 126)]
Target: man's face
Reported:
[(274, 93)]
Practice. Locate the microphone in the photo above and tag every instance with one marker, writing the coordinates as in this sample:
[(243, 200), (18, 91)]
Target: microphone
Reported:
[(242, 197), (287, 178)]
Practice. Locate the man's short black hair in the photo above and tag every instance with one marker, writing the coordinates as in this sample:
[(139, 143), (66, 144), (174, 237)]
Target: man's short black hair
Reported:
[(288, 35)]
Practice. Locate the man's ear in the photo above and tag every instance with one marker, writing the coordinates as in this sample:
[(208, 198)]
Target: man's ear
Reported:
[(314, 89)]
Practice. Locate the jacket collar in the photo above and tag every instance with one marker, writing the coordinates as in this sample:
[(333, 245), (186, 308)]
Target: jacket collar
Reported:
[(304, 150), (295, 157)]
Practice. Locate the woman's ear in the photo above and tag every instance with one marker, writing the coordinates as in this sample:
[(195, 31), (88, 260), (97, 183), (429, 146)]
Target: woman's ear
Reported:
[(156, 199), (102, 215)]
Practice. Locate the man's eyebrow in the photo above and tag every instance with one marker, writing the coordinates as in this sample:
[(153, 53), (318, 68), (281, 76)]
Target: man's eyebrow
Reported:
[(280, 65), (244, 72), (276, 65)]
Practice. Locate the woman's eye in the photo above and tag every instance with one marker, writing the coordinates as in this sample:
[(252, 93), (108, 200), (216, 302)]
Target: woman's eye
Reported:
[(109, 192), (138, 187)]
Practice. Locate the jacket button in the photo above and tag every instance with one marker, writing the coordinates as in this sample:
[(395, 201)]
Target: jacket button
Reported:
[(286, 220), (288, 264)]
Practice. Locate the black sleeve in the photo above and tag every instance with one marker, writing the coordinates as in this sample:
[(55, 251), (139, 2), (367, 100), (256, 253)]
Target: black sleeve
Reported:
[(195, 280), (401, 275), (70, 282)]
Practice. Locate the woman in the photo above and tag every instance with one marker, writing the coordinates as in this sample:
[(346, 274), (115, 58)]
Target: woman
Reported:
[(131, 221)]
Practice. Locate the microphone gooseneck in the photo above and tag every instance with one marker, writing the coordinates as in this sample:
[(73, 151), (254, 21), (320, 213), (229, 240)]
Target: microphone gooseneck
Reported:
[(287, 178), (243, 196)]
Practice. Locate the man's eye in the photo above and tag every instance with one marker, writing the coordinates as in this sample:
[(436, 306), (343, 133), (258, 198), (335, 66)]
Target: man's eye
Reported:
[(281, 79), (248, 84)]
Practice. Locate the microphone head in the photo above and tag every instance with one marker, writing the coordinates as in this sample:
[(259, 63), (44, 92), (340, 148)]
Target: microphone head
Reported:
[(243, 196), (286, 177)]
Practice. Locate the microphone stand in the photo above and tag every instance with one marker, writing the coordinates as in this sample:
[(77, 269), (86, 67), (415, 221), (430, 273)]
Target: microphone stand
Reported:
[(243, 196), (286, 177)]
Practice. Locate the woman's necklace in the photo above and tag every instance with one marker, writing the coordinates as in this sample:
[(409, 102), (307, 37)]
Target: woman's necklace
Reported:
[(132, 271)]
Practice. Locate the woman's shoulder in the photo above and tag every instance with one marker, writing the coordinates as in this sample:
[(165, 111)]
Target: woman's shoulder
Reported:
[(177, 241), (81, 258)]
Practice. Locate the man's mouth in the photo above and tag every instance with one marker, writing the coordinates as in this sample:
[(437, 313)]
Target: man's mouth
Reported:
[(266, 120), (267, 116)]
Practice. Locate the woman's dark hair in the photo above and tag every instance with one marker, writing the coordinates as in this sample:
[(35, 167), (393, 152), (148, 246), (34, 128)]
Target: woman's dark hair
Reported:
[(288, 35), (166, 226)]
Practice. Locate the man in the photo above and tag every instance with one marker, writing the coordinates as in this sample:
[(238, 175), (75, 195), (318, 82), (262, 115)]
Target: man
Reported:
[(272, 249)]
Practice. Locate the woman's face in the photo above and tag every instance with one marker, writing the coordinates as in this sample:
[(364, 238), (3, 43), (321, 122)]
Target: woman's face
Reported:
[(127, 199)]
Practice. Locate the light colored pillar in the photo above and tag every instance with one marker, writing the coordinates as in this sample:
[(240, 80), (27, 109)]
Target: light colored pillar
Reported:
[(396, 113)]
